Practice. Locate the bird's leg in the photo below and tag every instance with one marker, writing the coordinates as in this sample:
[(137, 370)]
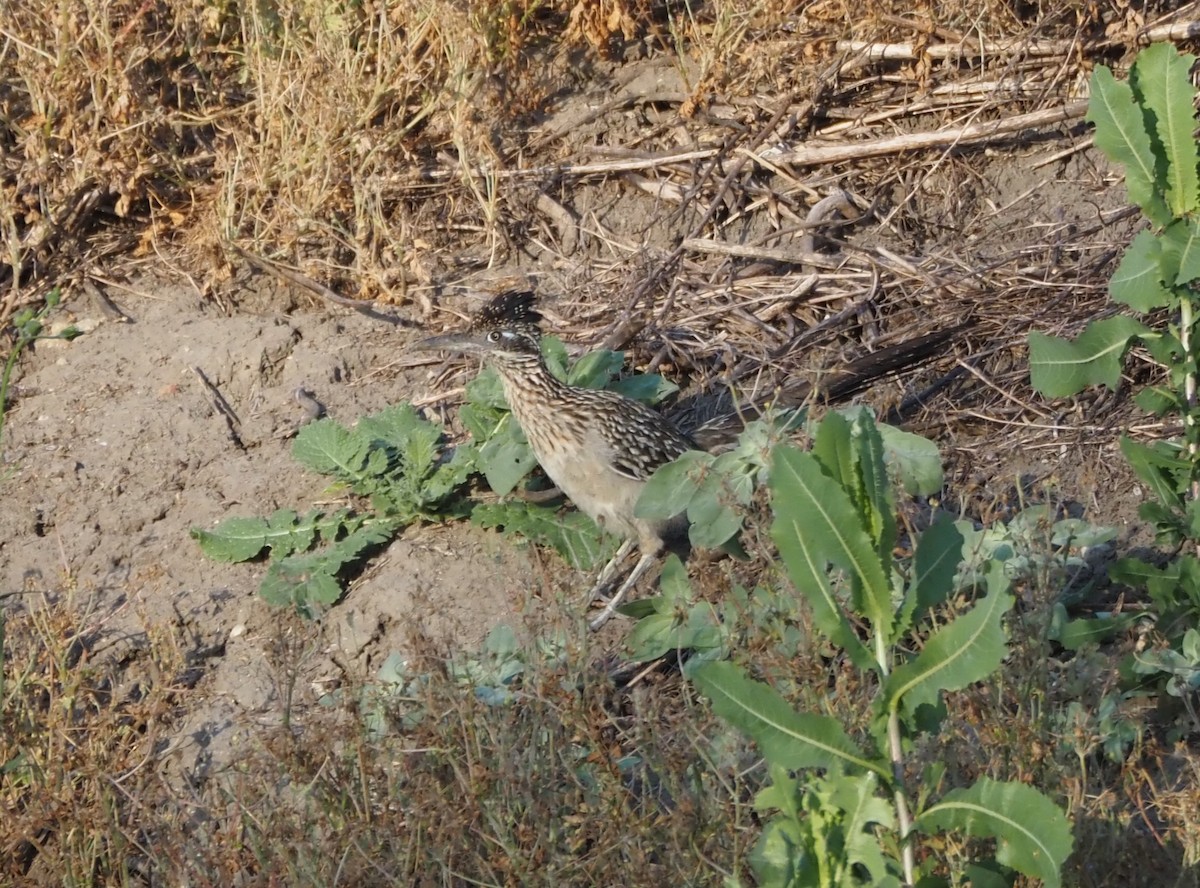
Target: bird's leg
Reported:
[(610, 570), (613, 603)]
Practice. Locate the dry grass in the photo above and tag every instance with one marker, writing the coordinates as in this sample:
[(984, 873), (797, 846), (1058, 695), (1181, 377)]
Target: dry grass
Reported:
[(401, 151)]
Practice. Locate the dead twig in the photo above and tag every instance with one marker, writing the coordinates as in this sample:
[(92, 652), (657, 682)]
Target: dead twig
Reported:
[(294, 277), (221, 406), (815, 155)]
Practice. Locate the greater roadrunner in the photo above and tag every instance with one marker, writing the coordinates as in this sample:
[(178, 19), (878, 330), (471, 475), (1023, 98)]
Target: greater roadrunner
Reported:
[(599, 447)]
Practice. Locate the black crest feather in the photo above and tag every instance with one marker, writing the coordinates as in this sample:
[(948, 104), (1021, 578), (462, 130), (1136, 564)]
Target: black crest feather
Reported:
[(511, 309)]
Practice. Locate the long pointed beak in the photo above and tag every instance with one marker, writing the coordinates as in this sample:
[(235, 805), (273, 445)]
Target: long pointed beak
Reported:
[(466, 343)]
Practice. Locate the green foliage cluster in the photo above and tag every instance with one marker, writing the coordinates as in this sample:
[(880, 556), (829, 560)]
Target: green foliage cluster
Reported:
[(394, 466), (1146, 126), (392, 459), (858, 823)]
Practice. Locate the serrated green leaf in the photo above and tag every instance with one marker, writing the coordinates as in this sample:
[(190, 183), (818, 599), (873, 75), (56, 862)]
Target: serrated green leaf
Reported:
[(856, 796), (233, 540), (786, 738), (573, 534), (661, 629), (299, 581), (287, 532), (1121, 135), (451, 474), (486, 391), (963, 652), (1032, 834), (1161, 79), (1060, 368), (393, 425), (330, 449), (804, 554), (241, 539), (1138, 280), (309, 582), (817, 524), (878, 505), (833, 450)]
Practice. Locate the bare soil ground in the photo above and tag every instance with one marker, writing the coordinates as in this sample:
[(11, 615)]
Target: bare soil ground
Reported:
[(113, 449)]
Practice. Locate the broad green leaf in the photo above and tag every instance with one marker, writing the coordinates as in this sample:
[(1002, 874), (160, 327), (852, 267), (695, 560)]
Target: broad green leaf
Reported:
[(796, 479), (596, 369), (1082, 631), (555, 354), (1159, 400), (486, 390), (1138, 280), (1121, 135), (1162, 466), (935, 565), (914, 459), (506, 458), (1032, 834), (1182, 241), (1060, 368), (856, 796), (712, 520), (813, 508), (1161, 80), (647, 387), (786, 738), (963, 652), (672, 487)]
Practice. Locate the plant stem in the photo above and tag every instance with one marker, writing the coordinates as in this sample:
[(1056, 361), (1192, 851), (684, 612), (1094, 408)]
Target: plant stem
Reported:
[(1190, 429), (896, 754), (896, 751)]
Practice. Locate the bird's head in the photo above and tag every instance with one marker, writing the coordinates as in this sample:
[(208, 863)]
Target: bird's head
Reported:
[(506, 327)]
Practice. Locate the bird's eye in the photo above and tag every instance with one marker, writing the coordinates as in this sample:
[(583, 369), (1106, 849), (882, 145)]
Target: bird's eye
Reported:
[(494, 336)]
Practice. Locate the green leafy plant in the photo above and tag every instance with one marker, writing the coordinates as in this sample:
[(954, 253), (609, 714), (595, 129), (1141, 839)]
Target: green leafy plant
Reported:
[(715, 491), (1146, 126), (29, 325), (859, 822), (392, 459), (394, 463)]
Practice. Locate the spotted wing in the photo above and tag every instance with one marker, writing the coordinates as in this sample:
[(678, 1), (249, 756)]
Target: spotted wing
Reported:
[(641, 439)]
